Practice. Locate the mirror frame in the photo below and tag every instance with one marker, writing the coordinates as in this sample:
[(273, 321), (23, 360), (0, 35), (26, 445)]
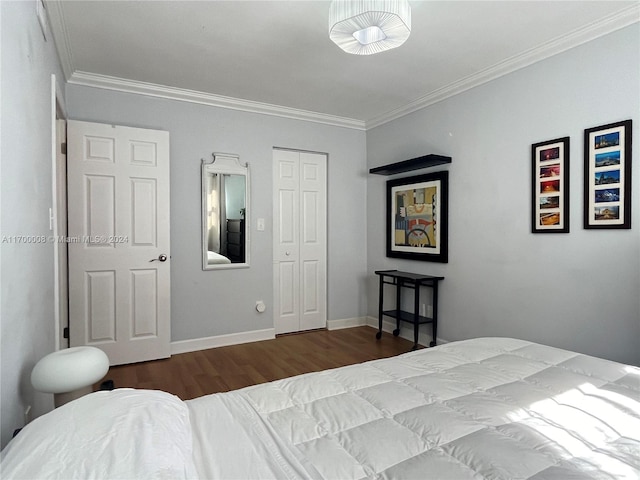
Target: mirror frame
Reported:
[(225, 163)]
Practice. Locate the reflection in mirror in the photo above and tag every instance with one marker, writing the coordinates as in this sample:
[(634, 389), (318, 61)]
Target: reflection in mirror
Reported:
[(225, 222)]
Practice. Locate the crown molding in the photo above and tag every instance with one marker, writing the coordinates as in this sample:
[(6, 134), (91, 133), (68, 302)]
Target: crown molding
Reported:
[(604, 26), (172, 93), (60, 36)]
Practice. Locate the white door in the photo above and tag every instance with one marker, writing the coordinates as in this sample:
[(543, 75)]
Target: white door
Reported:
[(119, 275), (300, 240)]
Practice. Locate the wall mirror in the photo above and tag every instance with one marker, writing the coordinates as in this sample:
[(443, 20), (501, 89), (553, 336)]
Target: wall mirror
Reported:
[(225, 212)]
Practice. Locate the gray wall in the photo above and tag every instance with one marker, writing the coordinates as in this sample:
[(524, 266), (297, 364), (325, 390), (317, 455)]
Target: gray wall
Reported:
[(27, 323), (578, 290), (222, 302)]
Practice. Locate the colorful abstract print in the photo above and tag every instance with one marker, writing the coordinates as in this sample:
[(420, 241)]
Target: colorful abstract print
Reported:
[(415, 222)]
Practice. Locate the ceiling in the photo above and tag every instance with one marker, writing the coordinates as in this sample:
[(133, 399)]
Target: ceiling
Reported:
[(276, 56)]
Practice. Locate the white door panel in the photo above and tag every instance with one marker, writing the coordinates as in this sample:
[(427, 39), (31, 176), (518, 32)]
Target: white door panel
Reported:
[(286, 310), (118, 224), (313, 237), (299, 240)]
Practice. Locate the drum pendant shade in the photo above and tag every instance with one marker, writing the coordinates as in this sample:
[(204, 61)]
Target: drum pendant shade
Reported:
[(365, 27)]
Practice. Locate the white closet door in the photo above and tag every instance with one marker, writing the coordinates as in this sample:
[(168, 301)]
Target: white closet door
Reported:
[(300, 240), (119, 269), (313, 241)]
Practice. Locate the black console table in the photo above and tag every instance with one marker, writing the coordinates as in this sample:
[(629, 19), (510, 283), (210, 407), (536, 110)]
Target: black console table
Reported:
[(412, 281)]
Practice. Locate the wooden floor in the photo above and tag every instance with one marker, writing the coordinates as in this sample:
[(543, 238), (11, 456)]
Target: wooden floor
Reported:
[(191, 375)]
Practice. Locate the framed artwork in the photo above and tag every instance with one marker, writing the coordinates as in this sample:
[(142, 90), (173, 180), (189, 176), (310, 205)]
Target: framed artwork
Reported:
[(550, 186), (607, 176), (417, 209)]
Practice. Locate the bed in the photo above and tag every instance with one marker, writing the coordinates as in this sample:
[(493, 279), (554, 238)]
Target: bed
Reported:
[(487, 408), (215, 258)]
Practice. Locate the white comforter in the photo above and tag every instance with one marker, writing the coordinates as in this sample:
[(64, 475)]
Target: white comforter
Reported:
[(484, 408), (215, 258)]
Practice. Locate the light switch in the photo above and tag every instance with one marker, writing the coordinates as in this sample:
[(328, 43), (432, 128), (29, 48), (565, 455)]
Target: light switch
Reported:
[(261, 224)]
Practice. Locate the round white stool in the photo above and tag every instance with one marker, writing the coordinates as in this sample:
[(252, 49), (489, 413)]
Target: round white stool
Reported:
[(69, 373)]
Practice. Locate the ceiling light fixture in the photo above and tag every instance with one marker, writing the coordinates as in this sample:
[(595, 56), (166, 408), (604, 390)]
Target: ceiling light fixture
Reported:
[(365, 27)]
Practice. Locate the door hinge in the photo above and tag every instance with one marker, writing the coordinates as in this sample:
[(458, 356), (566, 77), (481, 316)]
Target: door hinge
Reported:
[(63, 148), (65, 332)]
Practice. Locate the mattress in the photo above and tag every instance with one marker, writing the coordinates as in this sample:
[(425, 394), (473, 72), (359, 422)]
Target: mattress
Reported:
[(491, 408), (488, 408)]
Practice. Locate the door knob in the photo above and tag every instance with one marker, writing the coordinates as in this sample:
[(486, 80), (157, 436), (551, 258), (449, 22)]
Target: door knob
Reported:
[(161, 258), (287, 253)]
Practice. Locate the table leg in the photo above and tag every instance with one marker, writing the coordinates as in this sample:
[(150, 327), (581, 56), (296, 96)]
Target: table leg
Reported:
[(380, 307), (435, 314), (399, 286), (416, 316)]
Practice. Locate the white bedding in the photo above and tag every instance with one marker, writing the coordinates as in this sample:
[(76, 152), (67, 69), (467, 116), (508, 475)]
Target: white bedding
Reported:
[(123, 434), (478, 409), (215, 258)]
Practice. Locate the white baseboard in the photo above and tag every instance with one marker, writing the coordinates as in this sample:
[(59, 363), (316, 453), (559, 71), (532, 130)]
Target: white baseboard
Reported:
[(346, 323), (406, 331), (196, 344)]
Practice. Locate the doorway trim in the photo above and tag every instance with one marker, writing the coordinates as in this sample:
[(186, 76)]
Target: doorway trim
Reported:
[(58, 112)]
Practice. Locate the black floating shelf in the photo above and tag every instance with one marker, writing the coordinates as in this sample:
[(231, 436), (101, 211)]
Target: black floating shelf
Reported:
[(413, 164)]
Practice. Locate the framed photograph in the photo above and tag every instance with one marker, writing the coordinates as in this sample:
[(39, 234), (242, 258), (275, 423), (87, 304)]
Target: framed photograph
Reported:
[(417, 209), (607, 176), (550, 186)]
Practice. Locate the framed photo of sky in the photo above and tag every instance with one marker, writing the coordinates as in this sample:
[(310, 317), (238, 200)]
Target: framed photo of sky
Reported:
[(607, 176), (550, 186)]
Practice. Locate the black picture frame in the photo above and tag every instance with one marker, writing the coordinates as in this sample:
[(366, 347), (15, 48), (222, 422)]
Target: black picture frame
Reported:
[(607, 176), (417, 217), (550, 186)]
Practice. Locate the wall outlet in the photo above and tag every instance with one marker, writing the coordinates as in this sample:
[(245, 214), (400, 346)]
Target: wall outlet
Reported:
[(426, 310)]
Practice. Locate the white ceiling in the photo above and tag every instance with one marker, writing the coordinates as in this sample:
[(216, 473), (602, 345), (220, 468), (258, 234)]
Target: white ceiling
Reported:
[(279, 53)]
